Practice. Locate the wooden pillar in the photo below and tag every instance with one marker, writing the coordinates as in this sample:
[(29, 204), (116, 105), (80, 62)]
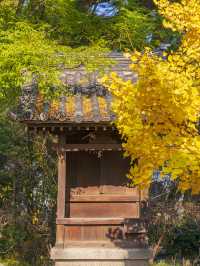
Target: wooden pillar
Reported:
[(61, 190)]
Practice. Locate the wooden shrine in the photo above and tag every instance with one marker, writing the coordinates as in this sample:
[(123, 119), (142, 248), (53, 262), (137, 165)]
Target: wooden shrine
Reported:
[(98, 213)]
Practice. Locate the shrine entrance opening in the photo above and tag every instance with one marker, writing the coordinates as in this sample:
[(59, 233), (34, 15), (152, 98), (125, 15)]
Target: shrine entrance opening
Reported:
[(98, 186), (97, 206)]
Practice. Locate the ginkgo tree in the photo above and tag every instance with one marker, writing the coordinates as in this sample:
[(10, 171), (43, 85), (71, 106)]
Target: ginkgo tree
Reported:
[(158, 116)]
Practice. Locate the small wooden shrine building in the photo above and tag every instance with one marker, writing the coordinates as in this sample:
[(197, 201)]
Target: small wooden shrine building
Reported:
[(98, 214)]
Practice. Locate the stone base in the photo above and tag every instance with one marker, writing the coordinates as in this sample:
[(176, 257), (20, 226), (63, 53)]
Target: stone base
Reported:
[(102, 263), (100, 257)]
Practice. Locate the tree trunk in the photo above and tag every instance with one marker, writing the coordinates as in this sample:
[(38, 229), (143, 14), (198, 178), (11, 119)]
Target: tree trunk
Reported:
[(156, 248), (37, 8), (186, 262), (20, 6)]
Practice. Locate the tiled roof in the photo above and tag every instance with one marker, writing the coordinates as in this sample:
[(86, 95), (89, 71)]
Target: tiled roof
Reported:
[(87, 101)]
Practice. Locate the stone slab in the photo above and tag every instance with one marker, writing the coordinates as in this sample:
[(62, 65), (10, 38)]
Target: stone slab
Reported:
[(89, 253), (102, 263), (88, 256)]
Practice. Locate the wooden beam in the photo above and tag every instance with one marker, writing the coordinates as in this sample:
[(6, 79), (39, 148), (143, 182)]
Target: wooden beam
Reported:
[(99, 221), (105, 198), (90, 221), (61, 178), (61, 189), (92, 146)]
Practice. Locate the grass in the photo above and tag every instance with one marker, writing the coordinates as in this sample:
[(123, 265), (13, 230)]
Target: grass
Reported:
[(163, 263)]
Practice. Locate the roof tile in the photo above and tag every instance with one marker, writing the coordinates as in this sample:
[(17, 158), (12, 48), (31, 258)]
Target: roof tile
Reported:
[(87, 99)]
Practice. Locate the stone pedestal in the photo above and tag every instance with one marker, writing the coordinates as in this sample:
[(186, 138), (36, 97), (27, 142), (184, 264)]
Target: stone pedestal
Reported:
[(100, 256)]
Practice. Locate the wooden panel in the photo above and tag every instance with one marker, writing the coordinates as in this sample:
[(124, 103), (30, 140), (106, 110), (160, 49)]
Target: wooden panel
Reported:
[(92, 233), (105, 198), (113, 209), (86, 190), (84, 172), (114, 168), (73, 233), (120, 190), (91, 221), (92, 175), (93, 146), (60, 233), (98, 186), (138, 223)]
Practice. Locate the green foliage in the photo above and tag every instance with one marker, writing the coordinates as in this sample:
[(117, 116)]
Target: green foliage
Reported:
[(27, 50), (38, 40), (76, 27), (12, 262), (178, 235), (41, 38), (27, 194), (184, 239), (163, 263)]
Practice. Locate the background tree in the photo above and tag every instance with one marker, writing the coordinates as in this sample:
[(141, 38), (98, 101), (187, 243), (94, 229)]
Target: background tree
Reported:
[(158, 115), (38, 39)]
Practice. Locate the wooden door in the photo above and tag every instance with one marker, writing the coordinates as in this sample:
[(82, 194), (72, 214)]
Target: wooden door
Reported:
[(98, 186), (99, 201)]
